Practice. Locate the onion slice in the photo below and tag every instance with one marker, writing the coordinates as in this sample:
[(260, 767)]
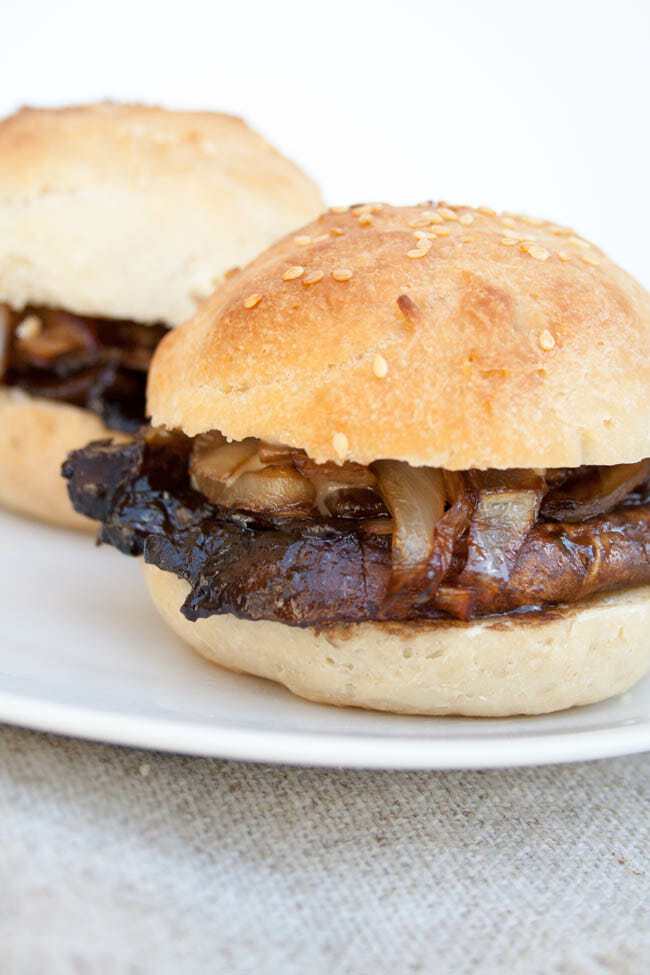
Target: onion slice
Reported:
[(272, 490), (59, 334), (415, 497), (341, 487), (235, 476), (447, 533), (262, 477), (503, 518), (596, 493), (215, 462), (457, 601), (5, 338)]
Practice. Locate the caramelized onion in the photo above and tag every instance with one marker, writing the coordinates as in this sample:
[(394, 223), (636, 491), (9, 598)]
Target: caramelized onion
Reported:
[(356, 503), (475, 542), (273, 489), (456, 484), (5, 338), (447, 533), (513, 479), (60, 334), (269, 453), (415, 497), (342, 490), (215, 463), (421, 587), (503, 518), (596, 493), (377, 526), (458, 601), (233, 475)]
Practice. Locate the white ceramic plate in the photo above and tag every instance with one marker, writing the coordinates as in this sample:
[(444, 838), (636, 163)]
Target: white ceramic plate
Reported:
[(83, 652)]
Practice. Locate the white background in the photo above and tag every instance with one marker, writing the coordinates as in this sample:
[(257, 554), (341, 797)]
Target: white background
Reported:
[(540, 107)]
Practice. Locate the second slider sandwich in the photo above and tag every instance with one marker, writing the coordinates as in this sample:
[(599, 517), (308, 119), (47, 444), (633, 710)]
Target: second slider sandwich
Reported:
[(401, 462), (116, 221)]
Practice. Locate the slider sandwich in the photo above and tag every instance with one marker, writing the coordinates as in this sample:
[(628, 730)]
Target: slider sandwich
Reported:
[(401, 462), (115, 223)]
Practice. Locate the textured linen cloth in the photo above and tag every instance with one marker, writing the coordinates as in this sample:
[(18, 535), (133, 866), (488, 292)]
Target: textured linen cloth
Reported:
[(121, 861)]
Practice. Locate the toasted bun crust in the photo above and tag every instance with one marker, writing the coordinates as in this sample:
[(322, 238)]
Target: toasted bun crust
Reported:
[(126, 211), (492, 668), (503, 352), (35, 437)]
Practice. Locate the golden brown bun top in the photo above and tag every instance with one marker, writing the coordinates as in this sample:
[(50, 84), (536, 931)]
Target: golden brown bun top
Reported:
[(129, 211), (509, 342)]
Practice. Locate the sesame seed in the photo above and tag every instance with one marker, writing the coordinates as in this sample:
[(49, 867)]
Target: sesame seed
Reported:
[(510, 241), (508, 222), (417, 252), (467, 239), (442, 231), (337, 231), (339, 209), (342, 274), (539, 253), (380, 366), (424, 235), (252, 300), (321, 237), (366, 220), (564, 255), (420, 222), (447, 214), (29, 328), (435, 218), (579, 242), (313, 277), (546, 340), (487, 211), (293, 272), (532, 221), (341, 444), (562, 231), (466, 219), (590, 259), (518, 236), (303, 239)]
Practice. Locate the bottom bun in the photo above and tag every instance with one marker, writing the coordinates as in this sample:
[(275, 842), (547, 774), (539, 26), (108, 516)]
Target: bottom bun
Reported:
[(35, 437), (489, 668)]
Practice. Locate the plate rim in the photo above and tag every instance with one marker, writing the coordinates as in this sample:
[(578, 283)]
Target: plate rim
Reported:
[(319, 749)]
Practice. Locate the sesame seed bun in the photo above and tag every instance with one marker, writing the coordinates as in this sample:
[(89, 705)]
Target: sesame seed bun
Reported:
[(127, 211), (485, 341), (489, 668), (35, 437)]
